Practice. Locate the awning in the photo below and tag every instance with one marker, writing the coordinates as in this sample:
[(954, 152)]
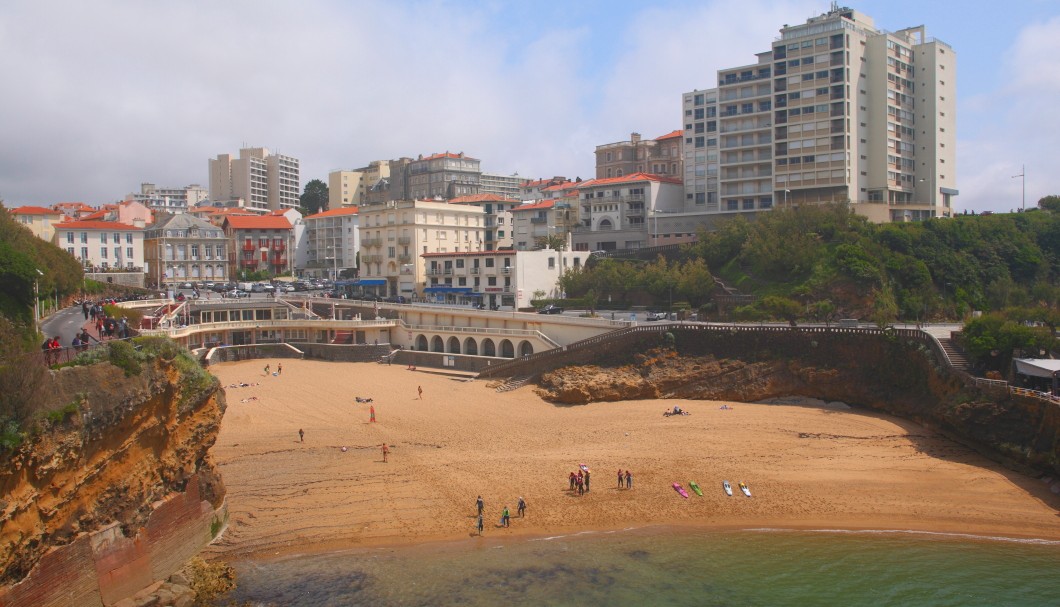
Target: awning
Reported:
[(1037, 367), (447, 290), (370, 282)]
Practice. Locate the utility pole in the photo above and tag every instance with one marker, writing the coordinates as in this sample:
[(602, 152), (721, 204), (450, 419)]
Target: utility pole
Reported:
[(1023, 178)]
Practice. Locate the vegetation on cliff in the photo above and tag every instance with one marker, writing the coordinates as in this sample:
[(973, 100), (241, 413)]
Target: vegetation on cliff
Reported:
[(825, 262)]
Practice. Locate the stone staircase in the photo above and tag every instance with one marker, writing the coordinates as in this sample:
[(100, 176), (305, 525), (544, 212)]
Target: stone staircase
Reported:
[(514, 383), (958, 360)]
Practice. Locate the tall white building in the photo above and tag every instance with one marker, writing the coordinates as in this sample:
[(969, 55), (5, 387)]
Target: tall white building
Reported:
[(169, 200), (265, 181), (836, 111)]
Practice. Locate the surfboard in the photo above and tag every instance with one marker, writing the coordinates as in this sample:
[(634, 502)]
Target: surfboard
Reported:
[(695, 487), (728, 488), (745, 490), (681, 490)]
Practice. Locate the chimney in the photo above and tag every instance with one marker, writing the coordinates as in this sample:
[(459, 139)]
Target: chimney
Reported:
[(634, 137)]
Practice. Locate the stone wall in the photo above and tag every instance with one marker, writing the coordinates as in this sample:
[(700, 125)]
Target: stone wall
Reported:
[(103, 567), (128, 279)]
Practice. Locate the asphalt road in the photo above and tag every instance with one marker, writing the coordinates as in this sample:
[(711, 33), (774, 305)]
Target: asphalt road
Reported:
[(64, 323)]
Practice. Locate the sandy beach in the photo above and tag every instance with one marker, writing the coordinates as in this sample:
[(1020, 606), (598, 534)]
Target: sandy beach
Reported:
[(807, 466)]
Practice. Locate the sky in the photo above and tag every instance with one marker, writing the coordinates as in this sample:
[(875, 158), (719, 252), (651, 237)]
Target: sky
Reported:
[(101, 96)]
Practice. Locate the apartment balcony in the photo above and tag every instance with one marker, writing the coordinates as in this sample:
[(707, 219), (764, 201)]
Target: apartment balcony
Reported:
[(278, 247), (404, 240), (372, 258), (247, 246), (371, 242), (539, 220), (475, 271), (506, 270), (248, 263), (278, 260), (404, 259)]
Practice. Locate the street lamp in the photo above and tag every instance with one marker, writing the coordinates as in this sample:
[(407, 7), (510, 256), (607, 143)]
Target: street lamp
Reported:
[(786, 192), (36, 298), (1023, 178)]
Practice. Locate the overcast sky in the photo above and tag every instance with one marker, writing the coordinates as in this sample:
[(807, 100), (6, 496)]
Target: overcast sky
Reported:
[(101, 96)]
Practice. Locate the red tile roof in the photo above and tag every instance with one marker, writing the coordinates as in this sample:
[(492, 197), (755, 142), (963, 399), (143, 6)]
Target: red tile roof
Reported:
[(254, 222), (27, 210), (481, 198), (670, 135), (94, 225), (77, 206), (566, 185), (541, 204), (99, 215), (631, 178), (334, 213)]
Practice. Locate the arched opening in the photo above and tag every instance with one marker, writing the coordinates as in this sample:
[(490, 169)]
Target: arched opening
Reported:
[(421, 342), (605, 224), (471, 346), (507, 349), (488, 347), (437, 345), (525, 349), (453, 346)]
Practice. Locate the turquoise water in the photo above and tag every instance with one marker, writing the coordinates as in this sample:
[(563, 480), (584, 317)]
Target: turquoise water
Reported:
[(672, 567)]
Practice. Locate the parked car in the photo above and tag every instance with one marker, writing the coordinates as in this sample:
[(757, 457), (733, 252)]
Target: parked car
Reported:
[(656, 316), (551, 309), (238, 293)]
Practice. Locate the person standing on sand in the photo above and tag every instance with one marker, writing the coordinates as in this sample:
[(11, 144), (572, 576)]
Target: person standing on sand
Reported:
[(620, 478), (587, 481), (480, 505), (420, 390), (279, 368), (386, 452), (629, 479), (479, 522), (581, 485), (371, 414), (573, 481), (522, 507), (301, 436), (267, 369), (506, 517)]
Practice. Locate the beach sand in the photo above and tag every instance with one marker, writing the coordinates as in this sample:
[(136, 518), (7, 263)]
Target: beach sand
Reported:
[(807, 467)]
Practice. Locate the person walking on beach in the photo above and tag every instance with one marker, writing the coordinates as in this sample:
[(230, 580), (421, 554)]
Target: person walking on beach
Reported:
[(581, 485), (267, 369), (621, 479), (522, 507), (629, 479), (386, 452), (371, 414), (479, 523), (301, 436), (573, 481), (480, 505), (279, 368), (420, 390), (506, 517), (587, 481)]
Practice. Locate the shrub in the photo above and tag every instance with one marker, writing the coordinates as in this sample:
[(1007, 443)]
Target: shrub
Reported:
[(122, 355)]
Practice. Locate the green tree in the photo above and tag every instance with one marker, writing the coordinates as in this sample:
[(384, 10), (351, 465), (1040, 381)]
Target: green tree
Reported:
[(314, 198), (1049, 203)]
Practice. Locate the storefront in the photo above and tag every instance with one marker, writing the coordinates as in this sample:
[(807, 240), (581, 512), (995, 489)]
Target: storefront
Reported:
[(452, 295)]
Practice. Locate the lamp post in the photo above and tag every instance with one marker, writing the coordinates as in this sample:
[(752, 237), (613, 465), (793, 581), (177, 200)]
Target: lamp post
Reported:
[(1023, 178), (36, 298), (786, 192)]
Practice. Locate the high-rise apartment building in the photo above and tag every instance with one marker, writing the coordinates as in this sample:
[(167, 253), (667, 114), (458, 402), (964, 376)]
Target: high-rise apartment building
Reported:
[(351, 187), (263, 180), (501, 185), (836, 111)]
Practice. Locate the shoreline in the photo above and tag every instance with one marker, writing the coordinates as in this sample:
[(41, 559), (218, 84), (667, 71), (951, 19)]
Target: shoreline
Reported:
[(809, 467)]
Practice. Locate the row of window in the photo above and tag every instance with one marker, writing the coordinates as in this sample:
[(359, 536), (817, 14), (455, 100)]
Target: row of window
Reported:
[(104, 253), (116, 238)]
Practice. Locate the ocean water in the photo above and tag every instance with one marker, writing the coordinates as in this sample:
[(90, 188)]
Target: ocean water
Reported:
[(672, 567)]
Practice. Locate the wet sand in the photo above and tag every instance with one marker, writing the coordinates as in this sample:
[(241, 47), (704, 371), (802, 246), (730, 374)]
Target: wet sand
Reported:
[(807, 467)]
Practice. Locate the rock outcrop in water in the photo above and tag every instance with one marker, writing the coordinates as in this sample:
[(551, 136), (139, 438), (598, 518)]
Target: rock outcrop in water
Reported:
[(118, 482)]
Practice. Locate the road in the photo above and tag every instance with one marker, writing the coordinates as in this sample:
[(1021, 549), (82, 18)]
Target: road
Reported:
[(64, 323)]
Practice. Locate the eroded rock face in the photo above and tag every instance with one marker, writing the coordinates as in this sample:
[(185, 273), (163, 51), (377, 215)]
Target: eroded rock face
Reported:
[(132, 441)]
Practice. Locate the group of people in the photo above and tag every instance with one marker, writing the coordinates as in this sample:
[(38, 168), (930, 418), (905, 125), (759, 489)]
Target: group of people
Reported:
[(279, 369), (677, 410), (51, 348), (506, 517), (580, 481), (626, 478), (81, 340), (106, 326)]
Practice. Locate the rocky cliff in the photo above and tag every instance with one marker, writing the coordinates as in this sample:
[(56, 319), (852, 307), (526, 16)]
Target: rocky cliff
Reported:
[(115, 447), (886, 373)]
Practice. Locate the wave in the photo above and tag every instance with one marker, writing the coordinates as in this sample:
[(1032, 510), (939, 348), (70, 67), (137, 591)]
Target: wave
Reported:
[(963, 536)]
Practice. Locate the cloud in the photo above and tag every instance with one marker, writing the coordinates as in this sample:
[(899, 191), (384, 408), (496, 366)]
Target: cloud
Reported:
[(1014, 126)]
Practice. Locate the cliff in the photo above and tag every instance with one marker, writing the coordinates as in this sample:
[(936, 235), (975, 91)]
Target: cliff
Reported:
[(124, 452), (898, 376)]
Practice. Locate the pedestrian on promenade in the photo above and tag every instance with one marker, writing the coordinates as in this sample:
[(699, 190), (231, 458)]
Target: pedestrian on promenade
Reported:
[(386, 452), (301, 436), (522, 507)]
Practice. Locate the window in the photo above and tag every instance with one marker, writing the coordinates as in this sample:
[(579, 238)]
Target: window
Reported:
[(102, 238), (489, 262), (84, 253), (84, 238), (103, 252)]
